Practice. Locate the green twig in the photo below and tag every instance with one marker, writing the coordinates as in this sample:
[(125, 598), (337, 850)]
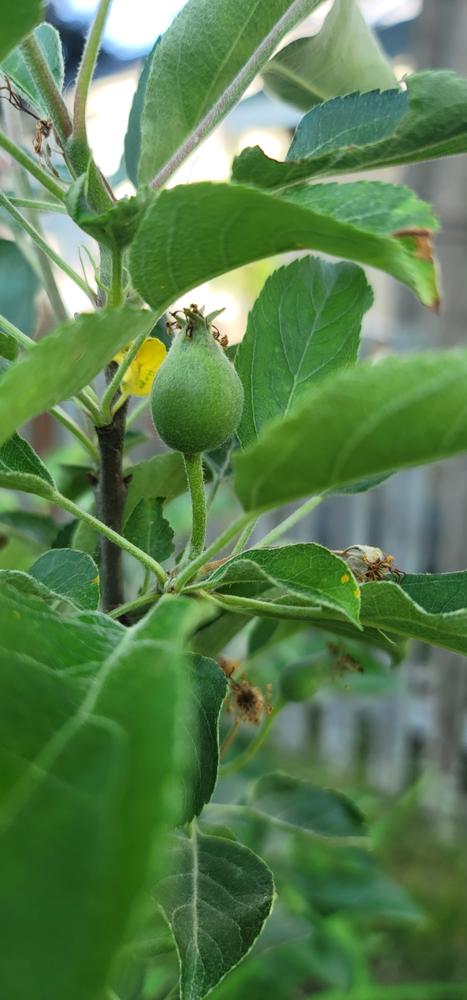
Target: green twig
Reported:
[(192, 568), (195, 478), (39, 206), (139, 602), (18, 335), (244, 758), (31, 166), (41, 243), (244, 537), (45, 82), (86, 71), (265, 609), (113, 536), (294, 518), (74, 429), (115, 297), (23, 187)]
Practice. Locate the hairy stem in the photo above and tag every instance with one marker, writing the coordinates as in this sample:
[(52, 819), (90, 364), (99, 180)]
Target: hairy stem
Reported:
[(86, 70), (21, 338), (39, 206), (294, 518), (139, 602), (41, 243), (265, 609), (43, 77), (66, 421), (31, 166), (195, 477), (23, 187)]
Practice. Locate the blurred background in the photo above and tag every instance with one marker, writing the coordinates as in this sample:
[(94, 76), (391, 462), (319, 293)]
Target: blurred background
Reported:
[(396, 739)]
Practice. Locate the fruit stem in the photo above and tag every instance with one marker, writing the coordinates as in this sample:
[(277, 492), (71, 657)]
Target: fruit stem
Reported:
[(194, 475)]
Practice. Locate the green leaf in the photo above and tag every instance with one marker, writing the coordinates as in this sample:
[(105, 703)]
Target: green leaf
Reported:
[(344, 56), (86, 790), (133, 132), (438, 593), (200, 739), (72, 574), (348, 881), (216, 899), (366, 421), (30, 627), (363, 131), (16, 21), (296, 804), (430, 608), (304, 325), (21, 469), (218, 227), (160, 476), (200, 69), (115, 227), (18, 288), (9, 347), (63, 362), (59, 799), (16, 69), (149, 529), (179, 616), (307, 571), (27, 524)]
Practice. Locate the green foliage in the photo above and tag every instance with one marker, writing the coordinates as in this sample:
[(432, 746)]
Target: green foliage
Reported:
[(363, 131), (438, 615), (22, 469), (18, 288), (114, 228), (73, 575), (16, 21), (358, 414), (63, 362), (18, 72), (111, 703), (149, 529), (308, 572), (335, 220), (208, 689), (299, 805), (216, 902), (160, 476), (192, 84), (344, 56), (133, 132), (304, 325)]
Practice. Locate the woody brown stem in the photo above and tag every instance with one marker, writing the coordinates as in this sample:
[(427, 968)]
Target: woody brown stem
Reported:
[(110, 497)]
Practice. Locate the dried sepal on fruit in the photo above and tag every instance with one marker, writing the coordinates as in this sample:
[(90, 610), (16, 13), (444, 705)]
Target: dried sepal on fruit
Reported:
[(367, 562)]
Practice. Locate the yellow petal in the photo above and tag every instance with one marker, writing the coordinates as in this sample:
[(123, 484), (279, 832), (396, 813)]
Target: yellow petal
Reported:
[(138, 380)]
